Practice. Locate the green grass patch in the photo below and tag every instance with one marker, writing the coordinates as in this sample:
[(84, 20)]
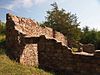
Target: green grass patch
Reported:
[(74, 49), (2, 41), (2, 37), (9, 67)]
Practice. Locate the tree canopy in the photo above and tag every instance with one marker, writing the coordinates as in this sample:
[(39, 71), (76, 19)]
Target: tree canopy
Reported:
[(2, 27), (90, 36), (63, 21)]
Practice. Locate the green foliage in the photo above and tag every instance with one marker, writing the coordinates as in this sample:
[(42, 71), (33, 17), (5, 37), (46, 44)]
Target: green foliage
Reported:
[(98, 40), (2, 34), (2, 37), (2, 28), (63, 22), (90, 36), (2, 40), (85, 29)]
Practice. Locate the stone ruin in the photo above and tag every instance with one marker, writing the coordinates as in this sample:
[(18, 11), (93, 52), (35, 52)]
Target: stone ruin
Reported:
[(33, 45)]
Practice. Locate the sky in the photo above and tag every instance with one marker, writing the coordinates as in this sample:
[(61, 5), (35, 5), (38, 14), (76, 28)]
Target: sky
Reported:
[(87, 11)]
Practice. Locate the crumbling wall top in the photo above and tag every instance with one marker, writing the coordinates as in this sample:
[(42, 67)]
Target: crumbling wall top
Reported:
[(30, 28)]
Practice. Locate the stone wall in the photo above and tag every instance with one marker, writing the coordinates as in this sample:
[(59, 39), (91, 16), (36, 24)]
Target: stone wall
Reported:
[(12, 41), (21, 38), (90, 48), (30, 28), (52, 54), (32, 45)]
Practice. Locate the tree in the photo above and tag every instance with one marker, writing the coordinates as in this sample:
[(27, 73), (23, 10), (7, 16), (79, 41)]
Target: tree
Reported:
[(86, 29), (63, 22), (2, 28), (98, 40), (88, 36), (85, 35)]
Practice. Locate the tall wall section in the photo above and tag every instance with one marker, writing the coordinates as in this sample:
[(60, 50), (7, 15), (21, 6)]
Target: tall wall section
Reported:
[(13, 45), (18, 47)]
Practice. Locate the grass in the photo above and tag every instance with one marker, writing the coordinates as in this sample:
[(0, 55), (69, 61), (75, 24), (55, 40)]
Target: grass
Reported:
[(2, 37), (2, 40), (9, 67), (74, 49)]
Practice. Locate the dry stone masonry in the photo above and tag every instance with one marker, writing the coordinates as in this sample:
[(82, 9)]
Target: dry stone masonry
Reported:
[(33, 45)]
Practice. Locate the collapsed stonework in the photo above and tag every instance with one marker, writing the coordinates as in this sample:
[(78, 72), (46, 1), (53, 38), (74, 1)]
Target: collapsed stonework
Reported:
[(23, 36), (32, 45)]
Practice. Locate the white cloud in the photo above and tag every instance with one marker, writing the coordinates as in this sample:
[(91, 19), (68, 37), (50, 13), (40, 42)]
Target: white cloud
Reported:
[(8, 7), (22, 4), (26, 3), (18, 3)]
